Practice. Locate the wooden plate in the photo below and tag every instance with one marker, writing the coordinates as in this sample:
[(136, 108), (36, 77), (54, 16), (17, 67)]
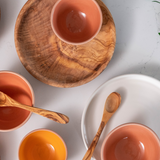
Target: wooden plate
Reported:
[(54, 62)]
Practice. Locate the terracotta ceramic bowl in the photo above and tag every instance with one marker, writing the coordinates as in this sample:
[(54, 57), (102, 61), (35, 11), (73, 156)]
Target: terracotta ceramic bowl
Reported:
[(131, 142), (19, 89), (76, 22), (42, 144)]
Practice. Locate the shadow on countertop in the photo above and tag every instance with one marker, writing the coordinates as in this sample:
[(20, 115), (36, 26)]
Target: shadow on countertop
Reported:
[(9, 13)]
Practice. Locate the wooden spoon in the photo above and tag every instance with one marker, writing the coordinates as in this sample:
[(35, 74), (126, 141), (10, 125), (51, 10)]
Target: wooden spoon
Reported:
[(111, 105), (6, 101)]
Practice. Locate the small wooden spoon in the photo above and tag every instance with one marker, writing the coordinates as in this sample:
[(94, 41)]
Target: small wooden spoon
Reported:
[(6, 101), (111, 105)]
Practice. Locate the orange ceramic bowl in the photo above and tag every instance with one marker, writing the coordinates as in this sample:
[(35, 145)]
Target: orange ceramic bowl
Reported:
[(42, 144), (76, 21), (131, 142), (19, 89)]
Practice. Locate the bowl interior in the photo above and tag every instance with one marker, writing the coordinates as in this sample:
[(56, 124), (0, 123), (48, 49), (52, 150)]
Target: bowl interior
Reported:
[(17, 88), (76, 21), (131, 141), (41, 145)]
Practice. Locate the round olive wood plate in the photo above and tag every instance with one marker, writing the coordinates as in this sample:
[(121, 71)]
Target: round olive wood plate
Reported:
[(54, 62)]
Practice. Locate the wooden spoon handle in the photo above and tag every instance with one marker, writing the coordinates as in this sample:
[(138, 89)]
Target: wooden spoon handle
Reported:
[(5, 100), (55, 116), (92, 146)]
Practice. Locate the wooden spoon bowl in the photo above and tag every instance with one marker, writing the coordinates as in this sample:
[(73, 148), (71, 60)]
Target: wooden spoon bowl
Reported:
[(54, 62)]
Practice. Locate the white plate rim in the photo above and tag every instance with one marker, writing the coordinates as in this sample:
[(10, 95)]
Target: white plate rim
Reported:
[(146, 78)]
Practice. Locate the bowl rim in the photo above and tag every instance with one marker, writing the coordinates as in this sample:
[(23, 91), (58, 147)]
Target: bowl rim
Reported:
[(46, 130), (33, 99), (76, 43), (124, 125)]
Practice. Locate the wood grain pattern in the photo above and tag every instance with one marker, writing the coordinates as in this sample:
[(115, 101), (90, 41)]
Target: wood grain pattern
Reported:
[(5, 100), (111, 105), (54, 62), (92, 146)]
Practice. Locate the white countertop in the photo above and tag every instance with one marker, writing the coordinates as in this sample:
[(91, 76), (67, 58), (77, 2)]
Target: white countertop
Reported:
[(137, 51)]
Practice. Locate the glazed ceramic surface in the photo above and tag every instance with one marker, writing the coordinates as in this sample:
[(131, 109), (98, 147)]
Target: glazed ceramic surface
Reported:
[(18, 88), (42, 144), (137, 51), (140, 103), (73, 22), (131, 141)]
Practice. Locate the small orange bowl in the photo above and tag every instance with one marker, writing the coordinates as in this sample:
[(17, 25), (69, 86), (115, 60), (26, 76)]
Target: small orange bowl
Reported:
[(42, 144), (131, 141), (18, 88), (76, 21)]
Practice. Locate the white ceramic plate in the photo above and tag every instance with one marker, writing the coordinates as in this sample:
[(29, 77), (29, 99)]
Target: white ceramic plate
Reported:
[(140, 103)]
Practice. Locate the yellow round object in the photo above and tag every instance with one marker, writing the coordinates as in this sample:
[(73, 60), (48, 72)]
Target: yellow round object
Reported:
[(42, 145)]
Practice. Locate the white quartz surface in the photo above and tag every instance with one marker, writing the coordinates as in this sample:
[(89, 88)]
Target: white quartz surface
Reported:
[(137, 51)]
